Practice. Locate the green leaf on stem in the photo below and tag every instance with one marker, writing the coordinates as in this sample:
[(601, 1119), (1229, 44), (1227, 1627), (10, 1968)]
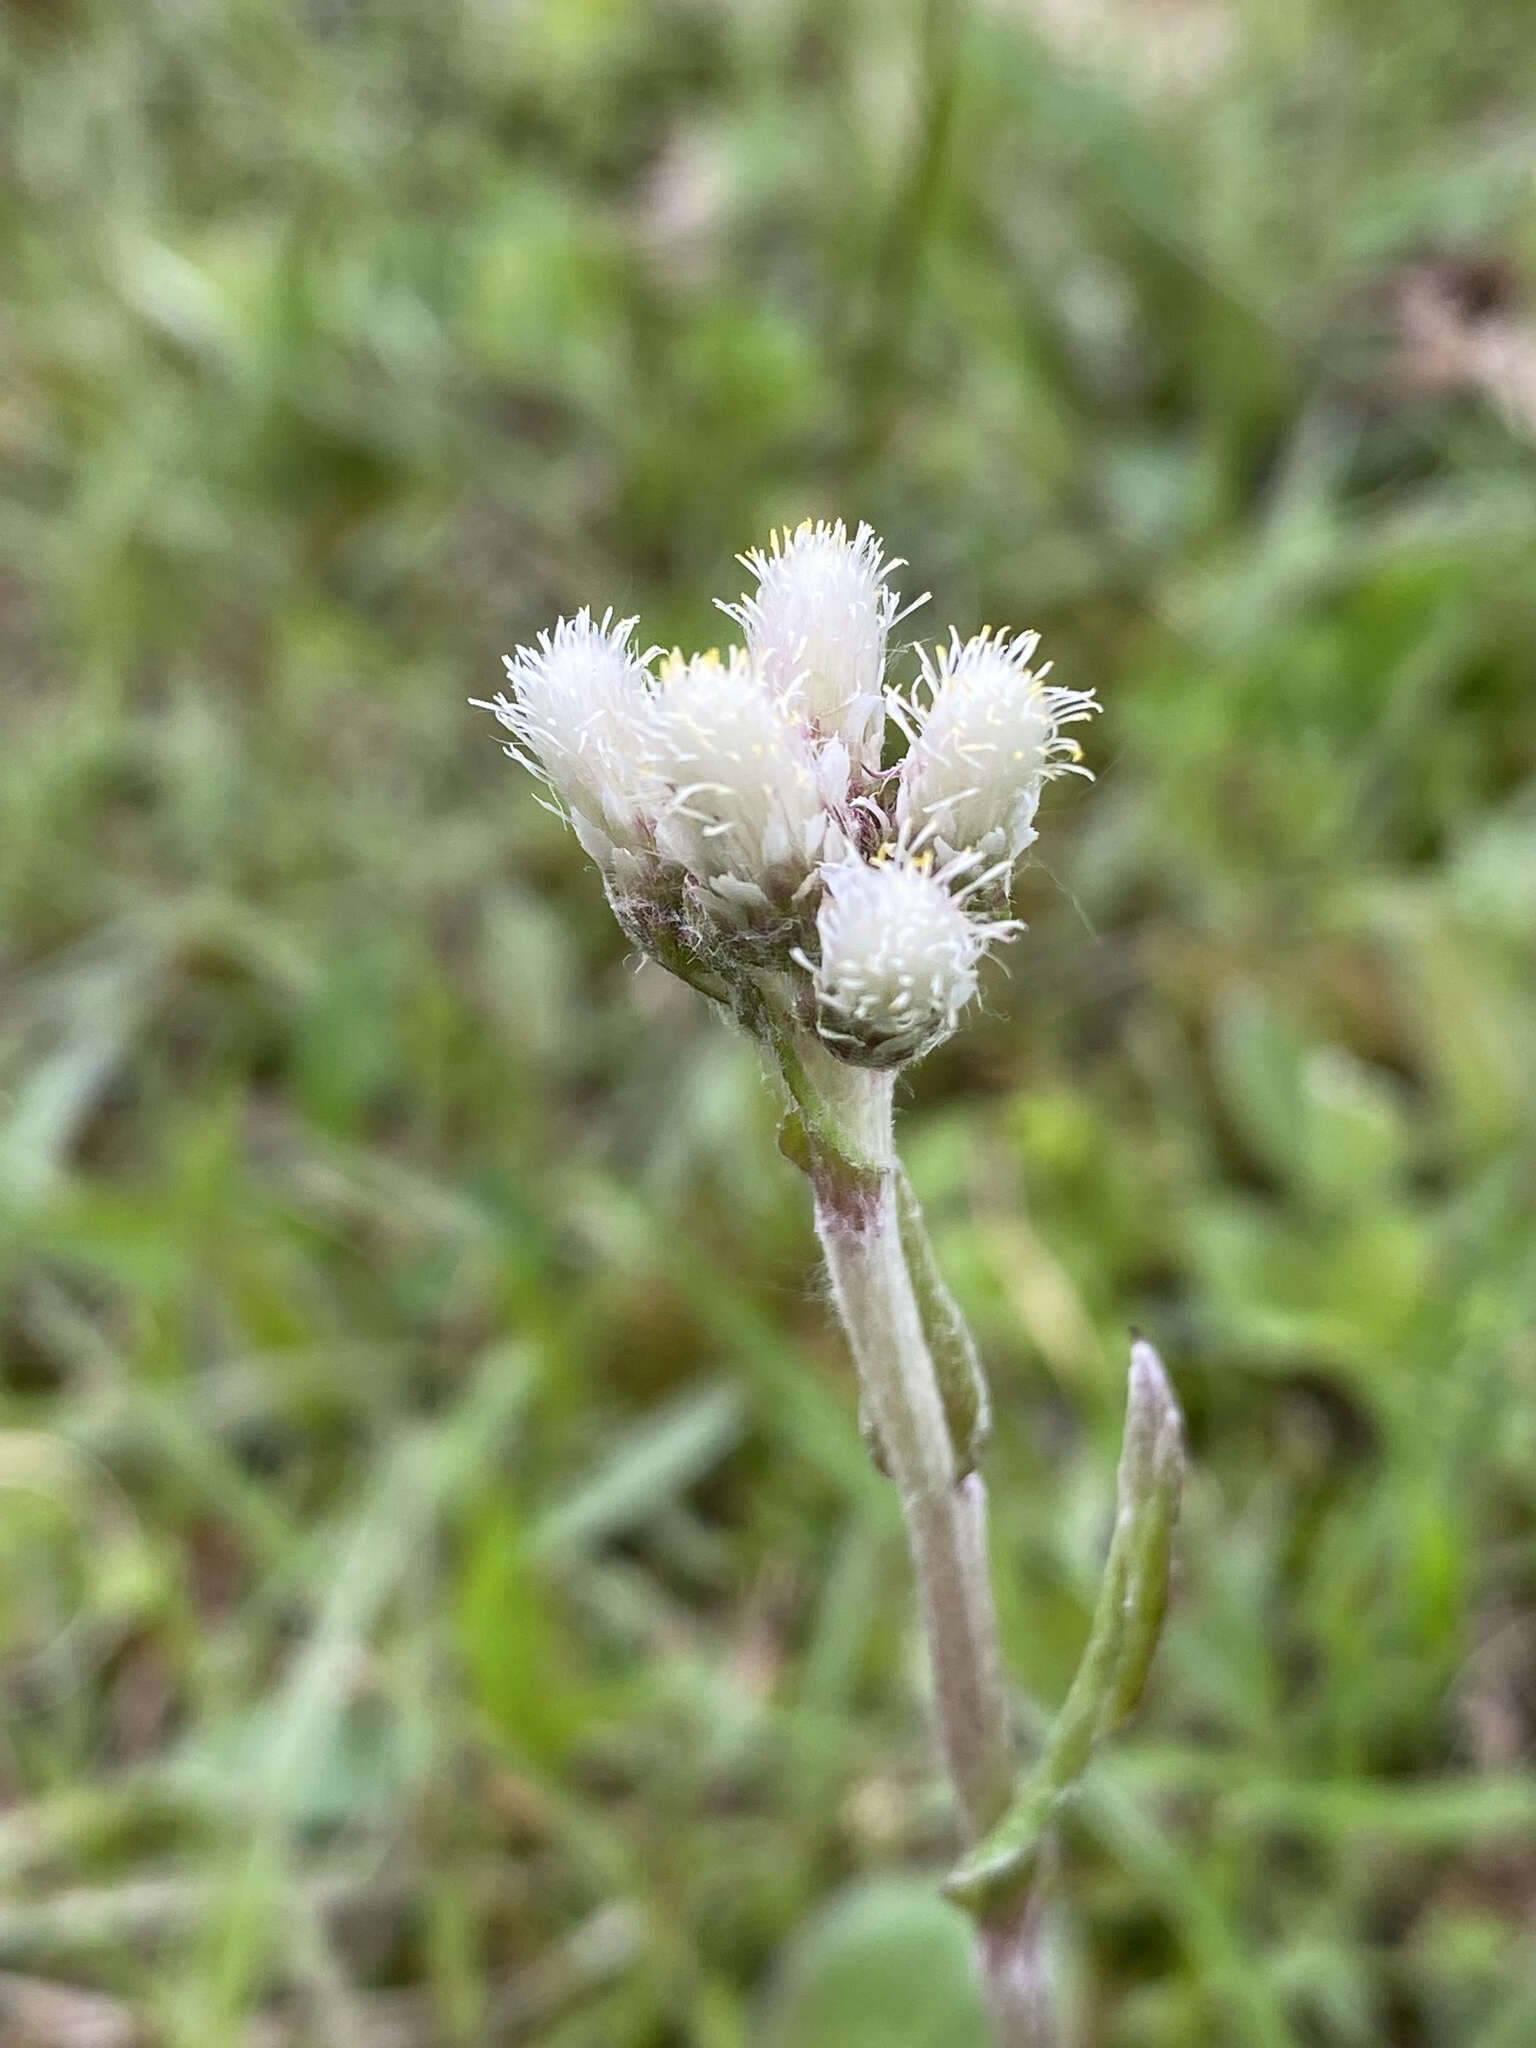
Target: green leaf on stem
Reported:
[(1127, 1620), (956, 1362)]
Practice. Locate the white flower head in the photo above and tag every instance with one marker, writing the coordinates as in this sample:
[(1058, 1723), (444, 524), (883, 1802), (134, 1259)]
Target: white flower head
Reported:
[(746, 804), (818, 626), (735, 803), (579, 704), (985, 736), (899, 956)]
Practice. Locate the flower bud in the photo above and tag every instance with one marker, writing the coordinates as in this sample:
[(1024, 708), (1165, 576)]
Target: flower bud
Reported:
[(744, 802), (984, 739), (817, 628), (899, 954), (579, 706)]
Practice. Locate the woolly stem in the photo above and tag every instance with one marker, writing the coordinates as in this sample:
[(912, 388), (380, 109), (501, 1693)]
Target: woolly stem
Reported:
[(859, 1219)]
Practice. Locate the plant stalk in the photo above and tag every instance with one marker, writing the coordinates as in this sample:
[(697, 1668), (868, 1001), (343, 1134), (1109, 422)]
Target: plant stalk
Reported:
[(859, 1218)]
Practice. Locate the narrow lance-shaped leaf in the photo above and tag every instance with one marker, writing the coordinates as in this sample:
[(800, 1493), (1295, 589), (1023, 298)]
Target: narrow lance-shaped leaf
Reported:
[(1127, 1621), (962, 1384)]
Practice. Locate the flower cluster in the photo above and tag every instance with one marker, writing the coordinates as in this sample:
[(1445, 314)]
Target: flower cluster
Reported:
[(750, 832)]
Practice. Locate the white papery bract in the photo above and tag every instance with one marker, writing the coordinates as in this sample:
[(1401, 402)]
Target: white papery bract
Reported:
[(986, 733), (578, 711), (899, 954), (749, 807), (817, 628)]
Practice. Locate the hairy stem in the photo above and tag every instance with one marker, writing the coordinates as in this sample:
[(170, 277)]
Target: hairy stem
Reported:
[(945, 1518), (859, 1218)]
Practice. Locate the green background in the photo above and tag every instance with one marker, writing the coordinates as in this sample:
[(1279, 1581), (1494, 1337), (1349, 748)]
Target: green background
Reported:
[(444, 1598)]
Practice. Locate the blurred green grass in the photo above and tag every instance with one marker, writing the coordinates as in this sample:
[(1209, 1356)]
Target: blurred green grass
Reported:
[(444, 1599)]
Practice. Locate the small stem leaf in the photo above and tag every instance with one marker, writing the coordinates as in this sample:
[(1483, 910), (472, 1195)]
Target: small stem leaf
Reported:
[(795, 1142), (1127, 1620), (962, 1383), (1154, 1490)]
